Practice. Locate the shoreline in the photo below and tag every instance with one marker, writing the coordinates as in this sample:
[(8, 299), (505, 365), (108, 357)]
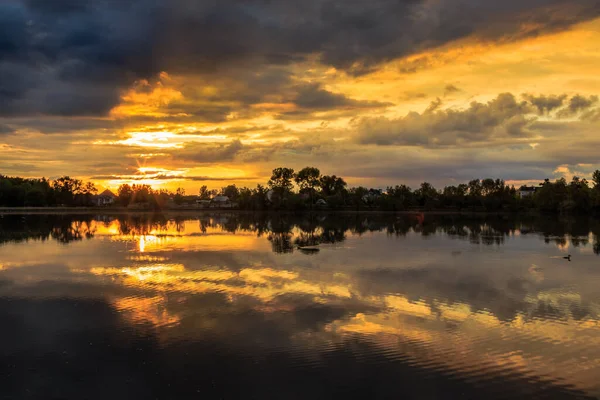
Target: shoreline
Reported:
[(188, 211)]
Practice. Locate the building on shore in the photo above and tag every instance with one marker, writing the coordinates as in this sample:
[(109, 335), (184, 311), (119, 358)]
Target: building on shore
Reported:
[(106, 198), (221, 202), (527, 191)]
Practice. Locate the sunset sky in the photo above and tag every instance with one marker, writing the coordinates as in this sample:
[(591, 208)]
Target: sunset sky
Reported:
[(186, 93)]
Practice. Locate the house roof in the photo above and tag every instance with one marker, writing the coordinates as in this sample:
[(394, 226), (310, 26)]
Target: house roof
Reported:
[(528, 189), (107, 193), (221, 199)]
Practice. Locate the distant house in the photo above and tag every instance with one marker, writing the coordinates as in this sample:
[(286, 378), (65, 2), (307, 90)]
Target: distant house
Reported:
[(269, 196), (321, 203), (221, 202), (203, 203), (105, 198), (526, 191)]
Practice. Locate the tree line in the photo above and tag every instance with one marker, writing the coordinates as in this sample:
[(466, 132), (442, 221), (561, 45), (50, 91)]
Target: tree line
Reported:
[(308, 189), (71, 192), (65, 191)]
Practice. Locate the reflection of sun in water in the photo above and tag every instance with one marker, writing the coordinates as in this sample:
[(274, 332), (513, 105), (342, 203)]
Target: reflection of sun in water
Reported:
[(142, 244), (152, 241), (147, 240)]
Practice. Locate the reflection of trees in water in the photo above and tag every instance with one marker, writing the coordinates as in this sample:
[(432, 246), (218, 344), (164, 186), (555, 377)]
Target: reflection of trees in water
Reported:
[(281, 242), (62, 228), (286, 231), (18, 228), (144, 224), (71, 231), (320, 236)]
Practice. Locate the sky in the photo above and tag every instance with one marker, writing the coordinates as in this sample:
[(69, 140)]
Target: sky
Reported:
[(182, 93)]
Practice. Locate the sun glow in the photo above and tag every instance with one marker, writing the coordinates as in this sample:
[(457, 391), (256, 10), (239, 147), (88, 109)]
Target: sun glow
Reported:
[(159, 140)]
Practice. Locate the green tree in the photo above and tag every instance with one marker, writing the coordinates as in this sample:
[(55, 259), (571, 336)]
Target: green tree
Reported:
[(125, 195), (307, 180), (580, 199), (426, 195), (35, 198), (206, 194), (281, 179), (66, 188), (179, 195), (231, 191), (402, 195), (332, 185), (84, 194), (596, 179), (357, 194), (551, 197), (281, 184)]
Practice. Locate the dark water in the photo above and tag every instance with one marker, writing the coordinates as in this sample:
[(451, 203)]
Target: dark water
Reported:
[(227, 306)]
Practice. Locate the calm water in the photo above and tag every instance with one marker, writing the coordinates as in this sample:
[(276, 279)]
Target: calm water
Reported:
[(228, 306)]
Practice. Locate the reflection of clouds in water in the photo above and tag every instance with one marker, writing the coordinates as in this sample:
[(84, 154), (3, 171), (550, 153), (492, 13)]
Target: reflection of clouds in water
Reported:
[(142, 310), (536, 273), (264, 284), (481, 311)]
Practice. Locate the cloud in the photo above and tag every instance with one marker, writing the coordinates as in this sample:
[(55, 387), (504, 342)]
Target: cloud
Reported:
[(449, 89), (546, 104), (309, 98), (578, 104), (313, 97), (54, 125), (413, 96), (504, 120), (77, 57), (210, 153), (166, 177), (503, 117), (592, 115), (5, 129)]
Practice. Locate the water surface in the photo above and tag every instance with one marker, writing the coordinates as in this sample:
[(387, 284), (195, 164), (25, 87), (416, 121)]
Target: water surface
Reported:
[(255, 306)]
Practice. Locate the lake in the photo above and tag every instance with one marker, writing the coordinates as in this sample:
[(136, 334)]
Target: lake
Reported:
[(278, 306)]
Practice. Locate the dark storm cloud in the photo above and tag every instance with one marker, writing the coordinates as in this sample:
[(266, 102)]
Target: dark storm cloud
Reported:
[(68, 57), (314, 97), (59, 124), (5, 129)]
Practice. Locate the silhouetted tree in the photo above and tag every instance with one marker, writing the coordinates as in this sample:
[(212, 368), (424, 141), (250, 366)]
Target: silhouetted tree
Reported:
[(307, 180), (281, 184), (125, 195), (179, 196), (231, 191)]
